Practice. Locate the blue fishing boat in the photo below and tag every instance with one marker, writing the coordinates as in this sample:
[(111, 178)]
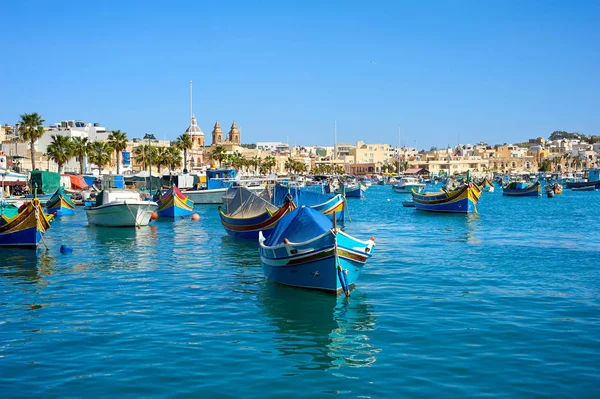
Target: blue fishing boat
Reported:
[(174, 204), (352, 190), (26, 228), (462, 200), (307, 250), (60, 204), (246, 213), (522, 189), (593, 179), (327, 205)]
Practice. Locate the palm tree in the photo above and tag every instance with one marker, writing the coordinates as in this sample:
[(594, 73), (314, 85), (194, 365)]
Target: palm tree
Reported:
[(174, 158), (256, 160), (184, 142), (118, 141), (162, 157), (290, 165), (60, 150), (79, 147), (99, 153), (145, 155), (32, 130), (268, 164), (218, 154)]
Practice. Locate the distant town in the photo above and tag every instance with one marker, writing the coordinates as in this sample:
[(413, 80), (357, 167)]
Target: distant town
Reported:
[(83, 147)]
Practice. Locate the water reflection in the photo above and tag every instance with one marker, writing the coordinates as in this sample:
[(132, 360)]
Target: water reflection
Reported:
[(123, 237), (317, 330), (25, 265)]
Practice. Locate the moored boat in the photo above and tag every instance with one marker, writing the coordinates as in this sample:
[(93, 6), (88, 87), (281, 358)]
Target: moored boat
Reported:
[(60, 204), (247, 213), (522, 189), (328, 206), (591, 187), (352, 190), (487, 185), (26, 228), (174, 204), (406, 185), (120, 208), (408, 203), (307, 250), (555, 188), (462, 200)]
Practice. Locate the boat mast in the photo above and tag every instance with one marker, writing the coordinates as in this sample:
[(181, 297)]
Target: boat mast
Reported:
[(335, 140), (398, 148), (191, 113)]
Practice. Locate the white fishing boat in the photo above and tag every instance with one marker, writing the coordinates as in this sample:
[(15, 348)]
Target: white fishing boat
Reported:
[(407, 184), (120, 208)]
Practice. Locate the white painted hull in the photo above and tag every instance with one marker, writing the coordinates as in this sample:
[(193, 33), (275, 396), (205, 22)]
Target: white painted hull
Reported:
[(407, 189), (121, 213), (214, 196)]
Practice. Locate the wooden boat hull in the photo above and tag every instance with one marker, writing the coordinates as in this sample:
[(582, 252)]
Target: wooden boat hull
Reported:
[(462, 200), (174, 205), (354, 192), (584, 188), (579, 184), (60, 205), (534, 190), (26, 228), (314, 264), (121, 214), (250, 227), (336, 205), (213, 196)]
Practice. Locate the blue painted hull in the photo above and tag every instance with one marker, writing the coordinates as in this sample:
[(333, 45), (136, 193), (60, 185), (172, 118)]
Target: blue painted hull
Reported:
[(60, 211), (356, 193), (23, 238), (314, 264), (174, 212), (462, 206)]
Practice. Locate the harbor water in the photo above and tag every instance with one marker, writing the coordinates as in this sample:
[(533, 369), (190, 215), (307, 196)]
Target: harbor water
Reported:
[(503, 303)]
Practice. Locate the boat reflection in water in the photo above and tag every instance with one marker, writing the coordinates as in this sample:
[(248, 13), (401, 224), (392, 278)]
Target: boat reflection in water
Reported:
[(318, 330), (25, 265)]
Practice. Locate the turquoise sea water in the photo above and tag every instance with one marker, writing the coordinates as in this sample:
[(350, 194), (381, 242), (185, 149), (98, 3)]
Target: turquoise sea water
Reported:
[(500, 304)]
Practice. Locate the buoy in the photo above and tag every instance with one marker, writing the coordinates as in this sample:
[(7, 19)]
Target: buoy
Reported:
[(195, 216), (54, 213), (64, 249), (154, 216)]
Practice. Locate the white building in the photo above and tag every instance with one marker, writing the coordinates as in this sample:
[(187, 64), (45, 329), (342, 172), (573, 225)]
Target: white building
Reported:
[(274, 146)]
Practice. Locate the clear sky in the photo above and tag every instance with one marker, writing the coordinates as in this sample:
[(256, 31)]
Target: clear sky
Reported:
[(498, 71)]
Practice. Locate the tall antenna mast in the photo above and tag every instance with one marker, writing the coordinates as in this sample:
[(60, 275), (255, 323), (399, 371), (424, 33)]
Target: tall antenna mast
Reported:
[(191, 113), (335, 140)]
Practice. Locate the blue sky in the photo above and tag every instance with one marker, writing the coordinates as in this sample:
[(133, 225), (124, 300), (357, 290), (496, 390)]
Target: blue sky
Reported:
[(499, 71)]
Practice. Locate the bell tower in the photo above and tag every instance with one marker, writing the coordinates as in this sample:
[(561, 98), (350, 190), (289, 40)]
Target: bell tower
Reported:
[(217, 134), (234, 134)]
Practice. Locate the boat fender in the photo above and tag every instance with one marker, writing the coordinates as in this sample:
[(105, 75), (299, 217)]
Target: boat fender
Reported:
[(286, 241), (65, 249)]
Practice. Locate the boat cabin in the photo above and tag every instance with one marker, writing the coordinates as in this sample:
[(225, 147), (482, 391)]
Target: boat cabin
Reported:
[(220, 178), (108, 196)]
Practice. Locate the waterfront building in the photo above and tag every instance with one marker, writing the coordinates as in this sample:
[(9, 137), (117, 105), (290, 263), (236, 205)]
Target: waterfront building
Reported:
[(273, 146)]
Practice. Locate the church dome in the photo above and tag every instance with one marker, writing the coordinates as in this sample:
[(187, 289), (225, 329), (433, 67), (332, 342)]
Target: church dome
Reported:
[(194, 129)]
